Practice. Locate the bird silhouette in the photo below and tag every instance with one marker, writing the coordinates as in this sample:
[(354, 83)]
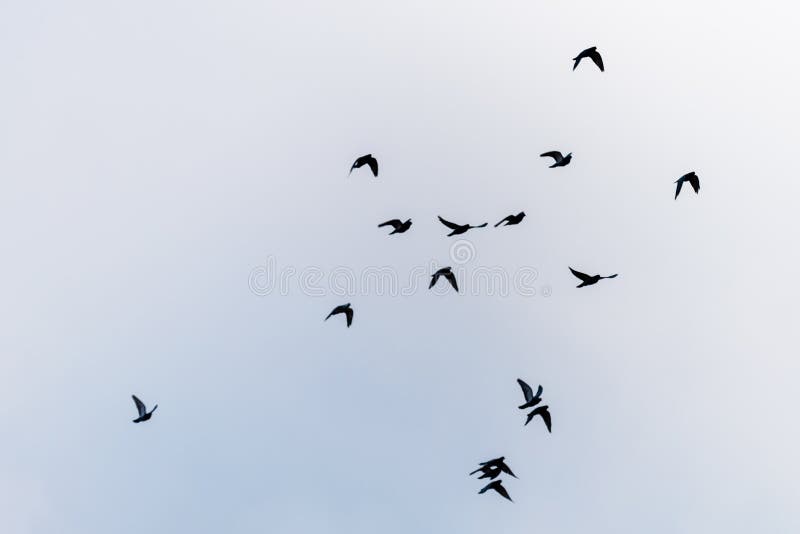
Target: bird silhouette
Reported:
[(560, 161), (693, 180), (531, 400), (448, 274), (496, 485), (366, 160), (587, 280), (345, 309), (398, 225), (544, 412), (489, 471), (512, 219), (458, 228), (499, 463), (144, 415), (590, 53)]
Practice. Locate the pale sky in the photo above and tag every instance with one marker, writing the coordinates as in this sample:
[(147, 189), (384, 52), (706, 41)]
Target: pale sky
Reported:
[(154, 153)]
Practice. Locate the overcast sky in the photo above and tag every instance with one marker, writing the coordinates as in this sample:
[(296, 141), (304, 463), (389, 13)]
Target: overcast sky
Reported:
[(155, 154)]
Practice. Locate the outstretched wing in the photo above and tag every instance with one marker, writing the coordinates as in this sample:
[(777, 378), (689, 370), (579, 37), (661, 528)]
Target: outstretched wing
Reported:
[(545, 413), (580, 276), (373, 165), (139, 406), (502, 491), (333, 312), (695, 181), (349, 313), (452, 279), (394, 223), (434, 279), (678, 189), (555, 154), (598, 59), (452, 226), (526, 390), (505, 469)]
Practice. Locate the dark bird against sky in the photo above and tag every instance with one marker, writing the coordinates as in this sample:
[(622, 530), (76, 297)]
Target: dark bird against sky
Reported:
[(560, 160), (590, 53), (693, 180), (458, 228), (512, 219), (499, 463), (496, 485), (398, 225), (448, 274), (531, 400), (587, 280), (144, 415), (366, 160), (544, 412), (345, 309)]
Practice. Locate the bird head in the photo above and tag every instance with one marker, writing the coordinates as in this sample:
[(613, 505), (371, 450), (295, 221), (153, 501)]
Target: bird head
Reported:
[(521, 214), (347, 305)]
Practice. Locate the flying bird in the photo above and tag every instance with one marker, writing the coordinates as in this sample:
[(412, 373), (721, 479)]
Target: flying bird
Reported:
[(345, 309), (531, 400), (512, 219), (366, 160), (587, 280), (693, 180), (496, 485), (144, 415), (398, 225), (590, 53), (560, 161), (545, 413), (448, 274), (458, 228), (489, 471), (498, 463)]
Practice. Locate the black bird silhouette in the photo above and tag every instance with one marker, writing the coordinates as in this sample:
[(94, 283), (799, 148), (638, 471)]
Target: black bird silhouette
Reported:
[(591, 53), (398, 225), (496, 485), (531, 400), (489, 471), (345, 309), (587, 280), (693, 180), (544, 412), (512, 219), (447, 273), (560, 161), (366, 160), (458, 228), (498, 463), (144, 415)]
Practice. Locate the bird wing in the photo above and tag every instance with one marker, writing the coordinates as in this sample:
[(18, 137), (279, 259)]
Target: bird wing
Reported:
[(505, 469), (452, 226), (501, 490), (678, 189), (598, 59), (349, 314), (507, 219), (394, 223), (139, 406), (555, 154), (580, 276), (526, 390), (452, 279), (539, 391), (695, 181), (545, 413), (434, 278), (373, 165)]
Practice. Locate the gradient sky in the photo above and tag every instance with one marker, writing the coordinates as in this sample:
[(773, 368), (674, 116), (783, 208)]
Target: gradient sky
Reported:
[(153, 153)]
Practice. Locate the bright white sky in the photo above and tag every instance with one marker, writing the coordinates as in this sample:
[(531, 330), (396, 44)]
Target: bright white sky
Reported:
[(154, 153)]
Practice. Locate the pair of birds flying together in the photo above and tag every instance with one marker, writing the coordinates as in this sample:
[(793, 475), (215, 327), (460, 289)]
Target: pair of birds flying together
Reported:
[(491, 469), (532, 400)]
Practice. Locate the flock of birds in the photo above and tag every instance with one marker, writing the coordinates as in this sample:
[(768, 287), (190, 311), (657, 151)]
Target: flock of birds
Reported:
[(494, 468)]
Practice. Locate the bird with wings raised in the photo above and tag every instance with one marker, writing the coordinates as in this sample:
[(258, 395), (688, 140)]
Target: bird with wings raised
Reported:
[(591, 53), (693, 180), (144, 415), (447, 272), (366, 160), (346, 310), (458, 228), (398, 225), (588, 280), (531, 400)]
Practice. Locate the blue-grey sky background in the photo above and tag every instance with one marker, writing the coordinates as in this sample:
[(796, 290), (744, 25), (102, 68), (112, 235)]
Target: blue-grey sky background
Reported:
[(154, 153)]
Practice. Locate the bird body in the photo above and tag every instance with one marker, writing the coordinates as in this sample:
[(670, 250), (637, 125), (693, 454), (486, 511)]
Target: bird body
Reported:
[(588, 280), (512, 219), (560, 160), (499, 463), (531, 400), (366, 160), (496, 485), (346, 310), (693, 180), (447, 272), (398, 225), (144, 415), (544, 412), (590, 53), (458, 228)]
